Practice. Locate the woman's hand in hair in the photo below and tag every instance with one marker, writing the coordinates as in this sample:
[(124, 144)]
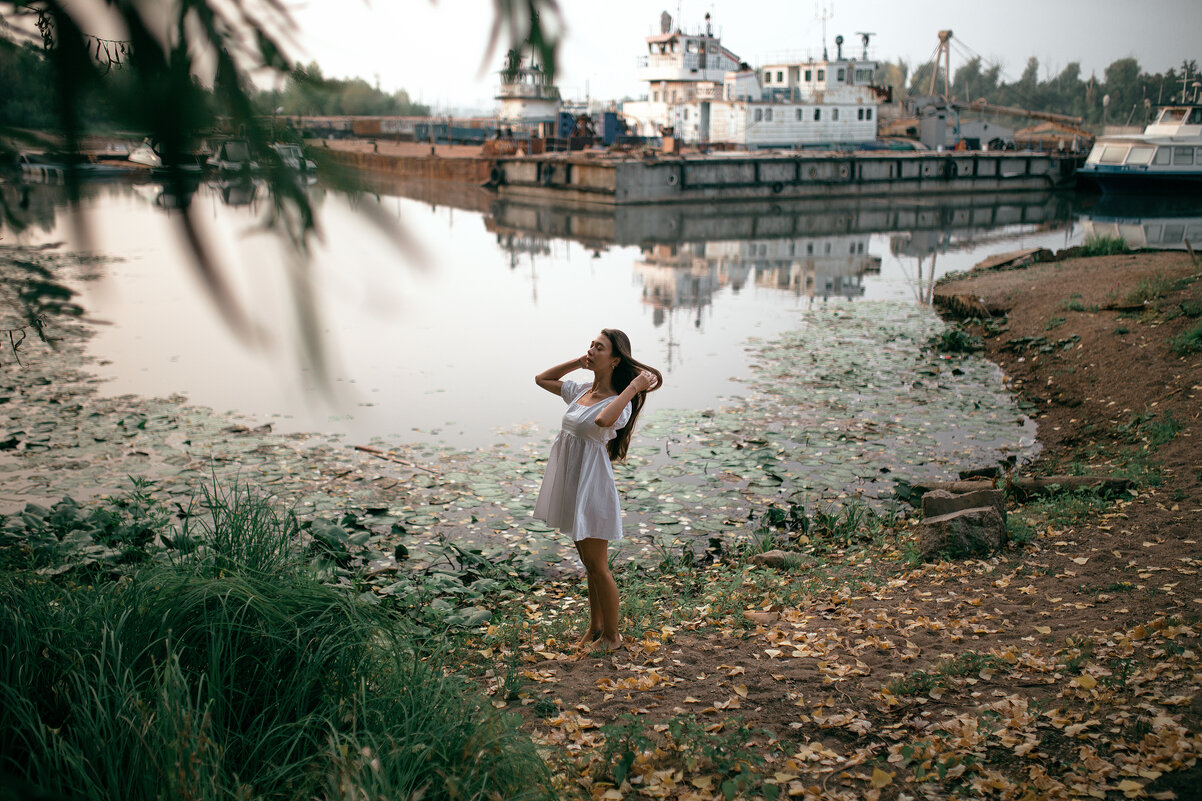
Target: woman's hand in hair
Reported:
[(643, 381)]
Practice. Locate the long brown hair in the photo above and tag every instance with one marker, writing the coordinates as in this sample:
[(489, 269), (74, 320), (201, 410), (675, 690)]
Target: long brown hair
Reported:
[(624, 372)]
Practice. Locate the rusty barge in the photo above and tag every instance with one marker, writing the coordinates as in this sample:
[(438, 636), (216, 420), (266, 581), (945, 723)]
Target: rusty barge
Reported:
[(581, 179)]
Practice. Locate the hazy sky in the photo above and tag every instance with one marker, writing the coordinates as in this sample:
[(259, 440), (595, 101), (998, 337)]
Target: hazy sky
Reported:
[(435, 50)]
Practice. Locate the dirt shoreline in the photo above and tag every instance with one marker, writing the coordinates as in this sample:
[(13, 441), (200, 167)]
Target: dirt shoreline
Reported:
[(1090, 355), (1066, 666)]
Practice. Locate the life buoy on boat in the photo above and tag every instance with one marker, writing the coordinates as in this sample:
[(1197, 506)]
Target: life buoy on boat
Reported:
[(495, 175), (777, 188), (844, 171), (673, 179)]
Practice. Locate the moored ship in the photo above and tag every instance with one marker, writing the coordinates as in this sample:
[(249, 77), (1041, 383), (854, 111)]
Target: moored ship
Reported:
[(706, 94), (1167, 156)]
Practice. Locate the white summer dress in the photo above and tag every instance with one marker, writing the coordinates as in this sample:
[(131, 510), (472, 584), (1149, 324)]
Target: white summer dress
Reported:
[(578, 495)]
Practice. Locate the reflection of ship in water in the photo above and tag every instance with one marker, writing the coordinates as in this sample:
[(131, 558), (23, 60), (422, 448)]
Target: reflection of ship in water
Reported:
[(813, 248), (686, 276), (787, 219), (1146, 222)]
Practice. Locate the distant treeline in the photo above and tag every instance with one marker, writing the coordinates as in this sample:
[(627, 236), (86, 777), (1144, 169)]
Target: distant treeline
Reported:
[(1133, 94), (27, 92), (28, 96), (307, 93)]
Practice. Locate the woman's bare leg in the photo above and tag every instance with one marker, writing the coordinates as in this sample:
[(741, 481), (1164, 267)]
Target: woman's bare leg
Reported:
[(594, 615), (603, 590)]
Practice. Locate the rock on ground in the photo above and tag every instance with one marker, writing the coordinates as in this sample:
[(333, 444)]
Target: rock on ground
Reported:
[(968, 532)]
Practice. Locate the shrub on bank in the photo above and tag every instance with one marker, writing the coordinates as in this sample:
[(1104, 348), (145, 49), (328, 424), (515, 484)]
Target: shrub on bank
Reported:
[(234, 673)]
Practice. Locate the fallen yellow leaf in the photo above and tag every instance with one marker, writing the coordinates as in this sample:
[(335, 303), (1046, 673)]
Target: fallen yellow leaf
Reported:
[(1086, 682), (1044, 629), (880, 778)]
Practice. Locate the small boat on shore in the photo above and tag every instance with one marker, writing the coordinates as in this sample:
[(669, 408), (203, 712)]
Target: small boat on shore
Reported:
[(147, 154), (1166, 157), (294, 158), (232, 155)]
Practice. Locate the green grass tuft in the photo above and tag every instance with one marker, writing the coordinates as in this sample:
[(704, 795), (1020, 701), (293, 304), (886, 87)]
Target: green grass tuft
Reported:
[(1187, 343), (234, 672), (1104, 246)]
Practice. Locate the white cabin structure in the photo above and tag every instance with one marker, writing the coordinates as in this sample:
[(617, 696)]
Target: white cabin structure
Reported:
[(706, 94), (526, 93)]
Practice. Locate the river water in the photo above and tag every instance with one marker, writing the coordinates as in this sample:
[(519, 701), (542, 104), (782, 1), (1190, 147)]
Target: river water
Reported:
[(437, 340)]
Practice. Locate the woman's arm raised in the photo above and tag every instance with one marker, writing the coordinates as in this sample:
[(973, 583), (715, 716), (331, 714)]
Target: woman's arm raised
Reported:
[(610, 414), (549, 379)]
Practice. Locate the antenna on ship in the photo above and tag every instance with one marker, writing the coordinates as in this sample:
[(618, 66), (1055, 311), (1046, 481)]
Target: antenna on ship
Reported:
[(864, 38), (823, 14)]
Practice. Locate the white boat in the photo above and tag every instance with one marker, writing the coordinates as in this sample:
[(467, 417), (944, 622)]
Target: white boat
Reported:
[(294, 158), (706, 94), (232, 155), (1166, 157), (147, 154)]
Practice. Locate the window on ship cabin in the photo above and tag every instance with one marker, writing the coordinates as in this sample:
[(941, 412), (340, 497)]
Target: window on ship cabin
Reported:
[(835, 115), (841, 75), (1195, 117), (809, 75), (1183, 155), (780, 77), (822, 75), (859, 114), (768, 115), (768, 77), (1140, 155), (799, 115), (817, 115), (759, 114), (1162, 156), (869, 112)]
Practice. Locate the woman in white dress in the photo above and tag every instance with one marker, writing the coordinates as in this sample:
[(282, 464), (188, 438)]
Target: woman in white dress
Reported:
[(578, 495)]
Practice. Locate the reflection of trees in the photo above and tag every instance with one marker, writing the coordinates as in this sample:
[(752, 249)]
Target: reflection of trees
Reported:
[(36, 204)]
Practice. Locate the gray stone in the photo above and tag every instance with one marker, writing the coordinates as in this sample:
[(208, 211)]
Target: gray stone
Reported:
[(968, 532), (943, 502), (779, 559), (774, 558)]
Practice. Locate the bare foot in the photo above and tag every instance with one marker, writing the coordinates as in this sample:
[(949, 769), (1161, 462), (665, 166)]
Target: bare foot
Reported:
[(617, 643), (589, 638)]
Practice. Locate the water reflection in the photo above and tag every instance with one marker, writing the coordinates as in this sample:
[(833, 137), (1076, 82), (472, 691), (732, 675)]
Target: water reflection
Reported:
[(1146, 221), (516, 286)]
